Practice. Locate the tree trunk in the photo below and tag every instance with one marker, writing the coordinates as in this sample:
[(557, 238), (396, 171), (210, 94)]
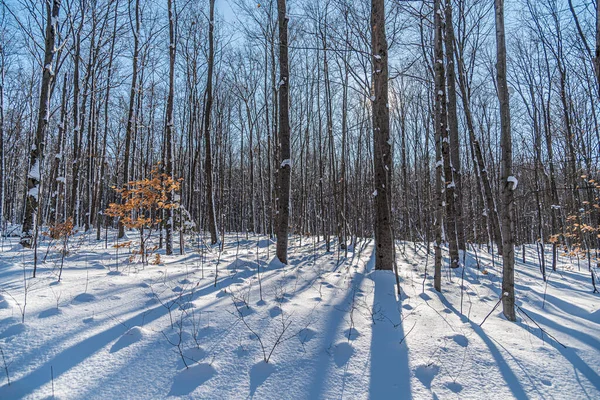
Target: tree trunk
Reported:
[(285, 162), (58, 159), (208, 169), (2, 149), (169, 126), (382, 149), (36, 154), (440, 127), (131, 113), (508, 182), (453, 127)]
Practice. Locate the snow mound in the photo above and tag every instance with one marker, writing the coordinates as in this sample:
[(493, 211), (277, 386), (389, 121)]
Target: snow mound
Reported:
[(133, 335), (189, 379)]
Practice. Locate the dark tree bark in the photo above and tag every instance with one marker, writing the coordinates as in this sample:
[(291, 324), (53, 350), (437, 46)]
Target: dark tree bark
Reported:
[(2, 147), (54, 178), (169, 126), (73, 206), (453, 127), (382, 149), (285, 165), (508, 181), (597, 52), (208, 167), (440, 127), (449, 185), (132, 96)]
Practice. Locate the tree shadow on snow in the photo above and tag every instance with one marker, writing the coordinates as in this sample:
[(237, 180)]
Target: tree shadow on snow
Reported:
[(259, 374), (569, 353), (390, 371), (328, 336), (70, 357), (505, 370)]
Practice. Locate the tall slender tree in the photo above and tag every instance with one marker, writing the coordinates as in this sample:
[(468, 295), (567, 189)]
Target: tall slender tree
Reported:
[(453, 127), (285, 161), (382, 148), (208, 166), (440, 126), (169, 124), (508, 181), (36, 155), (132, 99)]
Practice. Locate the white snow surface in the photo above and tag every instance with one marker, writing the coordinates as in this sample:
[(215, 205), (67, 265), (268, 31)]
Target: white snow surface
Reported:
[(108, 332), (34, 172)]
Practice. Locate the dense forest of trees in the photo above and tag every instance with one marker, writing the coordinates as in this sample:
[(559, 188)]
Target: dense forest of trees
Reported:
[(430, 121)]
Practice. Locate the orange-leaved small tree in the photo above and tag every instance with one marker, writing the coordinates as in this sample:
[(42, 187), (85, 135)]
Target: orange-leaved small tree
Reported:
[(143, 201)]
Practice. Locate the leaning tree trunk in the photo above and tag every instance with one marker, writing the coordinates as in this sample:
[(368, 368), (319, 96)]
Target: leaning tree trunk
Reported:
[(37, 151), (208, 170), (285, 166), (382, 149), (508, 182)]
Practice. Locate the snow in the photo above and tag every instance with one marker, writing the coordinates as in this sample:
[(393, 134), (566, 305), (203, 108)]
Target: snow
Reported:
[(34, 192), (34, 172), (286, 162), (48, 67), (514, 181), (330, 328)]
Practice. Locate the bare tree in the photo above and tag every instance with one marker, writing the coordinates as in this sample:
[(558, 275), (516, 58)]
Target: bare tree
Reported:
[(169, 123), (208, 167), (285, 166), (508, 181), (382, 149), (36, 154), (440, 127), (132, 98)]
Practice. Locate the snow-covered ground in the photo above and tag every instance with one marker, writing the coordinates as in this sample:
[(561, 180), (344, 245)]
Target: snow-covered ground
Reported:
[(330, 327)]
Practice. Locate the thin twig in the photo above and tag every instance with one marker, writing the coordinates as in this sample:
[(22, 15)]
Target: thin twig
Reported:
[(541, 329)]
